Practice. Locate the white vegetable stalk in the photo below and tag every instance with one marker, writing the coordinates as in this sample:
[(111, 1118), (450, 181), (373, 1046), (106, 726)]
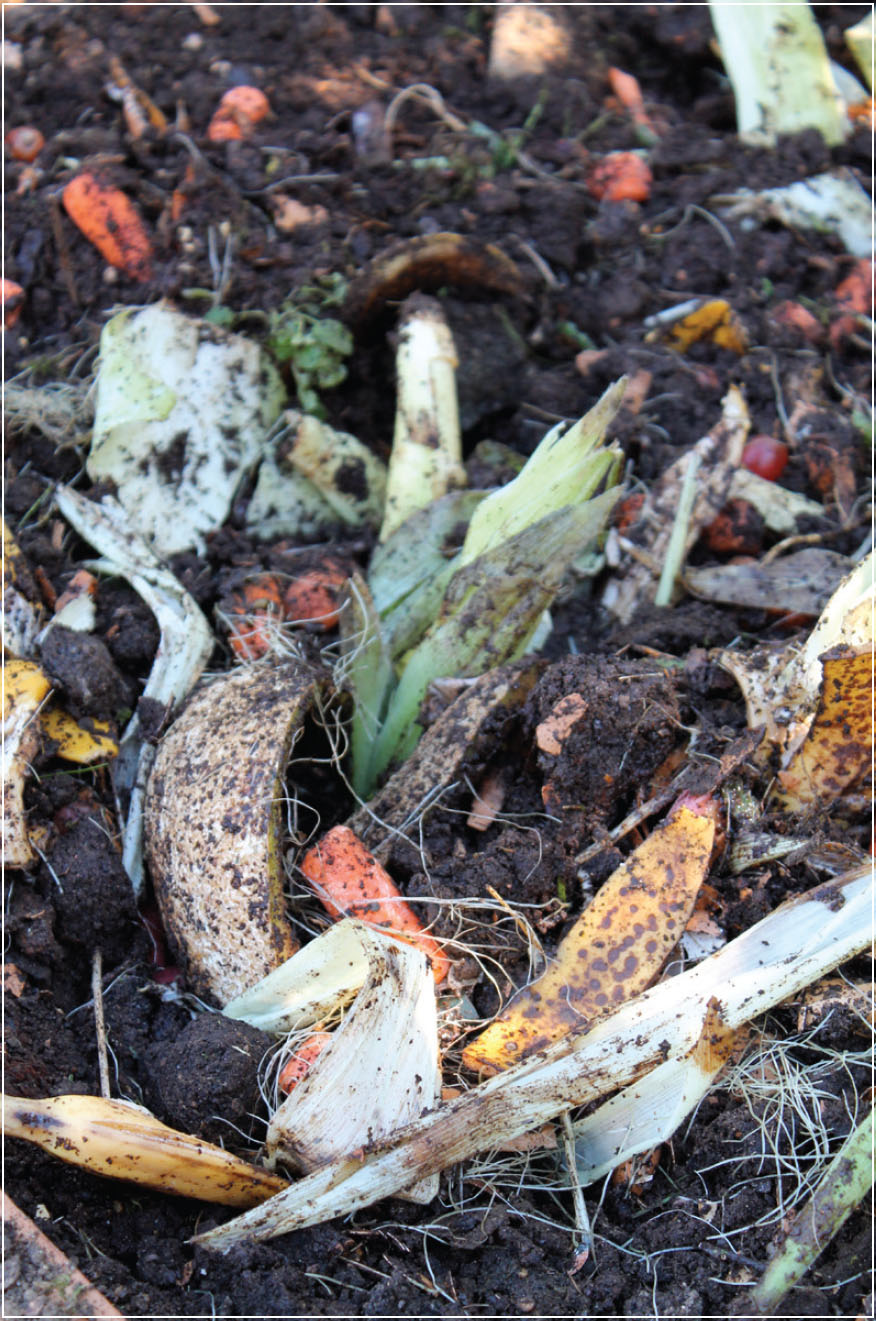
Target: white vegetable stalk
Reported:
[(426, 458), (773, 960), (386, 1048), (777, 62)]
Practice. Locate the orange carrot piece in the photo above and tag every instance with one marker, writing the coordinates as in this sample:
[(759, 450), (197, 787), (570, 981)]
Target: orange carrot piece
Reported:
[(238, 112), (627, 90), (12, 297), (109, 220), (315, 597), (24, 143), (82, 583), (350, 882), (298, 1065), (621, 176)]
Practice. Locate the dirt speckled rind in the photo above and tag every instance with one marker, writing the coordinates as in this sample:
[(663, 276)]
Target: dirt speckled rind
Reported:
[(213, 816)]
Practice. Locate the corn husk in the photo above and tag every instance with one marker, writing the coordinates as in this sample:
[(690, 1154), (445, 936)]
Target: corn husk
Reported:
[(380, 1069), (786, 951), (640, 1117)]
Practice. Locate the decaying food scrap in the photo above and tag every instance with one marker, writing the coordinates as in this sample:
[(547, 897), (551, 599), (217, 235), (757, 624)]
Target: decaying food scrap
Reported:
[(349, 881), (618, 945), (124, 1141), (214, 813)]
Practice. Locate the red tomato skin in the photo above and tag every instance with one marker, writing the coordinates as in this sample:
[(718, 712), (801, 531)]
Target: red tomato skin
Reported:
[(765, 456)]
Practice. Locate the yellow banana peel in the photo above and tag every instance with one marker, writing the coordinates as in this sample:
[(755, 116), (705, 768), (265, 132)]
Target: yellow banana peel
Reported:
[(123, 1141), (617, 946)]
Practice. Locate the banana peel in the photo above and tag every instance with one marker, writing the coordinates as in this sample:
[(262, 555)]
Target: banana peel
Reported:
[(838, 748), (214, 809), (617, 946), (78, 743), (124, 1141)]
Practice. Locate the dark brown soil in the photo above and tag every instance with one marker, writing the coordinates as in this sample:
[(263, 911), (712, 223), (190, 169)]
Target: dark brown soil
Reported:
[(691, 1240)]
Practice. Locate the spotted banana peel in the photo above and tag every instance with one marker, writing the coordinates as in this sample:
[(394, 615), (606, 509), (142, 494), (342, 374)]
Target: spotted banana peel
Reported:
[(617, 946), (124, 1141)]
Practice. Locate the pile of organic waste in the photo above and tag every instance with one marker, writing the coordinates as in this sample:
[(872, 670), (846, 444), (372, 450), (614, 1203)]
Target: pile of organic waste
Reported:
[(438, 653)]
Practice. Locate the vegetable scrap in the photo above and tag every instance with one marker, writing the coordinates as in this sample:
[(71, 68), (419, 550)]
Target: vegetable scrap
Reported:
[(25, 688), (108, 219), (766, 457), (837, 751), (298, 1064), (181, 413), (385, 1048), (24, 143), (621, 176), (23, 613), (711, 319), (771, 961), (617, 946), (239, 110), (12, 299), (350, 882)]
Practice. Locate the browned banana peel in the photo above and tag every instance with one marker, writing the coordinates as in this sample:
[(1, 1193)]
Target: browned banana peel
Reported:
[(838, 748), (814, 703), (617, 946), (124, 1141), (428, 263), (214, 812)]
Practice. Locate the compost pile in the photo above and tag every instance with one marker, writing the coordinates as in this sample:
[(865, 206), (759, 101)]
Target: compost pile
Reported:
[(302, 183)]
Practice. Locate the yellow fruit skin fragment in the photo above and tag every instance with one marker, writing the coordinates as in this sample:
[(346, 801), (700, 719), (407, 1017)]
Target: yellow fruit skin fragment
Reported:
[(838, 749), (617, 946), (126, 1142), (24, 686), (75, 743)]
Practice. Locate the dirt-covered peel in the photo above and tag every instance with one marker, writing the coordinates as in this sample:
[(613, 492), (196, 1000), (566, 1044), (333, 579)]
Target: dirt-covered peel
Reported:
[(124, 1141), (181, 412), (214, 809), (617, 946)]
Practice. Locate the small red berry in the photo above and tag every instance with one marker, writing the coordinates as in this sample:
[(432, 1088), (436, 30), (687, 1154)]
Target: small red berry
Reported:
[(765, 456)]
